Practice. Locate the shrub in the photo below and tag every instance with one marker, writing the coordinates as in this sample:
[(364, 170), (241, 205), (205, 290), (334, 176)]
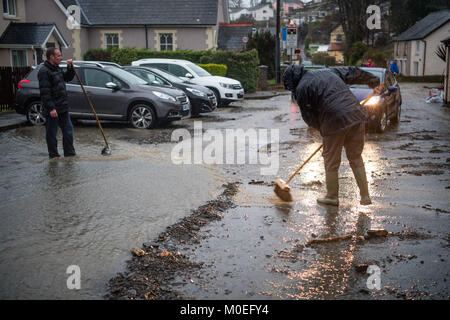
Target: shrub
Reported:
[(97, 55), (323, 59), (357, 52), (264, 42), (215, 69), (240, 66), (124, 56)]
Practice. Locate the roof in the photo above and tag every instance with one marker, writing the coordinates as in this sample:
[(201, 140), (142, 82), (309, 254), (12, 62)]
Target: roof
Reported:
[(230, 36), (322, 48), (336, 47), (425, 26), (30, 34), (149, 12)]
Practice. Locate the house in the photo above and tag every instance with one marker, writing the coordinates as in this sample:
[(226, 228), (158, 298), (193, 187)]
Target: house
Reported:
[(287, 6), (234, 36), (337, 40), (178, 24), (415, 48), (262, 12), (236, 13)]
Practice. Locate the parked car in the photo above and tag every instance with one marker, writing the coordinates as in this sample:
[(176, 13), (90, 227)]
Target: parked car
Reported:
[(202, 99), (115, 94), (226, 90), (380, 108)]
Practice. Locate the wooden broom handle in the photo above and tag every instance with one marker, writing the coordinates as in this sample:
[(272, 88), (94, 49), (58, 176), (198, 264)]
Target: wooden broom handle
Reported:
[(303, 164), (90, 104)]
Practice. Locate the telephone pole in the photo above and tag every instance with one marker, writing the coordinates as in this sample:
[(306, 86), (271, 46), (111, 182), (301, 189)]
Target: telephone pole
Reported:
[(277, 46)]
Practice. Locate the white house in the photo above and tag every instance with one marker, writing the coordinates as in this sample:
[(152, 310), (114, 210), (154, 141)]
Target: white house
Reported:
[(262, 12), (415, 48)]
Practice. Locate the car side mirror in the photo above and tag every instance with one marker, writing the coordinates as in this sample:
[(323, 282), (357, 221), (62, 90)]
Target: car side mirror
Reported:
[(188, 75), (112, 85), (392, 88)]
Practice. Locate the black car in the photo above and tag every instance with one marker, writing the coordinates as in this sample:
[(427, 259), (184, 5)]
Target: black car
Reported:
[(202, 99), (380, 109), (115, 94)]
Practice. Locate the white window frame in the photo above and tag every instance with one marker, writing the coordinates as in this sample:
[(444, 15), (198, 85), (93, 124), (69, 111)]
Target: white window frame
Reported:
[(12, 60), (113, 45), (160, 35), (7, 9)]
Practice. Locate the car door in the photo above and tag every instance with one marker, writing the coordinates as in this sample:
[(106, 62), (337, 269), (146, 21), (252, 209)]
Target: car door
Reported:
[(390, 96), (108, 103), (75, 97), (179, 71)]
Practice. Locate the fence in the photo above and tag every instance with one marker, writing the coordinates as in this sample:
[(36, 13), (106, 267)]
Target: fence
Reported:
[(9, 80)]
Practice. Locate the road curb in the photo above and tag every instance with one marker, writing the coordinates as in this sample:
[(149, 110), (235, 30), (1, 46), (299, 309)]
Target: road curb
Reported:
[(264, 97), (13, 126)]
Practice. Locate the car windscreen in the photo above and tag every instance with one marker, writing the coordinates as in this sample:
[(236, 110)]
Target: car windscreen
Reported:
[(198, 70), (126, 76), (166, 75), (377, 73)]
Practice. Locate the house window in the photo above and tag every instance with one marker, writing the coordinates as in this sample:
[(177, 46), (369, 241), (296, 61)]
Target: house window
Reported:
[(9, 7), (19, 58), (417, 46), (112, 40), (165, 41), (339, 38)]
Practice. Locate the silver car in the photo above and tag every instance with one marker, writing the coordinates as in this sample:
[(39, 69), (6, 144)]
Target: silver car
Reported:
[(115, 94)]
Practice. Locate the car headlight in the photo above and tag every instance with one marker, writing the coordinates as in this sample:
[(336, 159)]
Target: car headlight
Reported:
[(196, 92), (373, 101), (164, 96), (226, 85)]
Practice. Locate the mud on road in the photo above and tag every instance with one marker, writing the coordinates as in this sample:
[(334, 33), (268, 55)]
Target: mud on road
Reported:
[(247, 244)]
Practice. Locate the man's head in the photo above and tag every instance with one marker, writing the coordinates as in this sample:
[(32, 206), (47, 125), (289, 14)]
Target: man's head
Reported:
[(54, 56), (396, 60), (292, 76)]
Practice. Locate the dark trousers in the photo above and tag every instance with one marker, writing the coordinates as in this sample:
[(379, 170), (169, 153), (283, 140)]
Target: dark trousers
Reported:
[(352, 139), (51, 129)]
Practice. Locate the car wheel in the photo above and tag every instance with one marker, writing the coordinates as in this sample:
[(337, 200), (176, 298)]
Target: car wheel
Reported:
[(35, 114), (396, 119), (217, 94), (382, 122), (142, 116)]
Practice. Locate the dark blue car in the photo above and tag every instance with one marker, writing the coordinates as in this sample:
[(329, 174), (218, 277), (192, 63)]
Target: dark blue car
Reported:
[(383, 108)]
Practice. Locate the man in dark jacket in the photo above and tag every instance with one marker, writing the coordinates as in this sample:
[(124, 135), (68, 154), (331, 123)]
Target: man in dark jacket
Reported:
[(54, 101), (328, 105)]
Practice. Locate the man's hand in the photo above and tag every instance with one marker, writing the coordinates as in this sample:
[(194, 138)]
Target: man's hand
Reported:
[(69, 63), (54, 114), (379, 89)]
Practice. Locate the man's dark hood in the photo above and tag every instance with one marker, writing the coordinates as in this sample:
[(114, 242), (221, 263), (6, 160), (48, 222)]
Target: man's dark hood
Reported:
[(292, 76)]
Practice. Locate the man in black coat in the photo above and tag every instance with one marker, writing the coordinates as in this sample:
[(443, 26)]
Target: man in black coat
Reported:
[(327, 104), (54, 101)]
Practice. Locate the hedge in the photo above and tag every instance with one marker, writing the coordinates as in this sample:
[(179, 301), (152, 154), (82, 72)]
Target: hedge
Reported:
[(240, 66), (433, 78), (215, 69)]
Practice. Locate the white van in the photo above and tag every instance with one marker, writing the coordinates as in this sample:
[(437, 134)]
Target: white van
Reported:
[(226, 90)]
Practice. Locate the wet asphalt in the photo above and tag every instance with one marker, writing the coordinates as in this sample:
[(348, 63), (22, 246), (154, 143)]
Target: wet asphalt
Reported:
[(90, 210)]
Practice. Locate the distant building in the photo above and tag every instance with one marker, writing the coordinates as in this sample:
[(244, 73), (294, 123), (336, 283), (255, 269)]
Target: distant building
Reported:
[(337, 40), (415, 48)]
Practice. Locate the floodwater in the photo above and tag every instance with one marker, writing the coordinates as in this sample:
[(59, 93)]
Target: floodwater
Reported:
[(88, 210)]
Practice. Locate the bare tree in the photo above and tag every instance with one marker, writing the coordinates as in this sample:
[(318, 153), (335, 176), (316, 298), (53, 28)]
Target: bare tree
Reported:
[(353, 19)]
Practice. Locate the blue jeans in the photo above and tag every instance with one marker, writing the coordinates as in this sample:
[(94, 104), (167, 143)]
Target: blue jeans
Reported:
[(51, 129)]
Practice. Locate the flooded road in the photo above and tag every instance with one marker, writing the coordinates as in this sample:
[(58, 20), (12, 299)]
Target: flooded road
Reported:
[(89, 211)]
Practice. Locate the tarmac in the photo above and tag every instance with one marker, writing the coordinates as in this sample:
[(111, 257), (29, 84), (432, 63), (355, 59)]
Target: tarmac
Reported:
[(11, 120)]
